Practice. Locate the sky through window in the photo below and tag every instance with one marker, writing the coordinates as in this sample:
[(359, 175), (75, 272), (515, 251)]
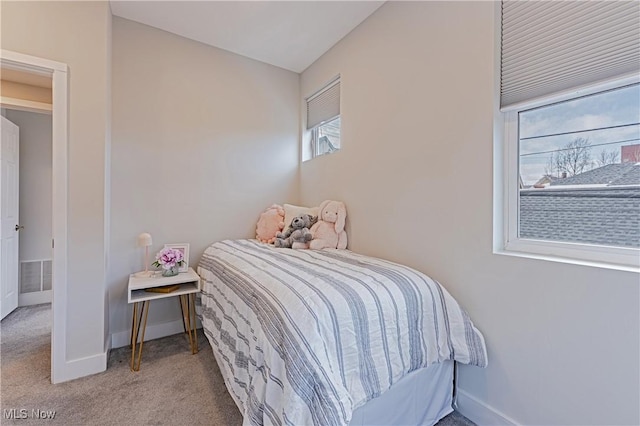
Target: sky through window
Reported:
[(607, 120)]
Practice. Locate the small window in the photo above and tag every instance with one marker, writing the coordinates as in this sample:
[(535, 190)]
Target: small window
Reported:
[(323, 120)]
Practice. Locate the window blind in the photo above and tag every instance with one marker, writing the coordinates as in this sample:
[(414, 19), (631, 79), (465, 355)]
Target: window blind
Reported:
[(324, 105), (552, 46)]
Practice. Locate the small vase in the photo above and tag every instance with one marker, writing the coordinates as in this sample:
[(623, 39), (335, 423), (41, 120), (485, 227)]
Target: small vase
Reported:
[(170, 272)]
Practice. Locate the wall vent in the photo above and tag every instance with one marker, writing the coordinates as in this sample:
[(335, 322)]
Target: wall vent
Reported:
[(35, 276)]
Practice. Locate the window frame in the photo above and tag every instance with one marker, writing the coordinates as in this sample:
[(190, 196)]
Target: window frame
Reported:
[(506, 193)]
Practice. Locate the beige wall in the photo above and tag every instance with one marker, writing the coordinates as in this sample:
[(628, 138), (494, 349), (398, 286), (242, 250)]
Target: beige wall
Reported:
[(415, 170), (76, 33), (35, 183), (203, 141)]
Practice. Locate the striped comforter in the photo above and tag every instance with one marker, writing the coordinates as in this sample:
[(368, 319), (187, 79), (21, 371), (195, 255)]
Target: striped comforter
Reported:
[(305, 337)]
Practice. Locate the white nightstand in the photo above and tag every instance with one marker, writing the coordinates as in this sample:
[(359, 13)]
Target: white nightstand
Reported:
[(188, 285)]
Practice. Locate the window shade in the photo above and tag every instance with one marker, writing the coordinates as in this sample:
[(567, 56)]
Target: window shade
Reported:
[(549, 46), (324, 105)]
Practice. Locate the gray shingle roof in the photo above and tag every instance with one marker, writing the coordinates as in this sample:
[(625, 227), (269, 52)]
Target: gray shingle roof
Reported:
[(611, 174), (631, 177), (605, 215)]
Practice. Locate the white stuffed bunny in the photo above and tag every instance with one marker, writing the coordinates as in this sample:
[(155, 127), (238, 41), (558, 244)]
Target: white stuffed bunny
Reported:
[(328, 231)]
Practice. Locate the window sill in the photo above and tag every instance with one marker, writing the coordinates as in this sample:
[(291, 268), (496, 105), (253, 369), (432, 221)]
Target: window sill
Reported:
[(618, 259)]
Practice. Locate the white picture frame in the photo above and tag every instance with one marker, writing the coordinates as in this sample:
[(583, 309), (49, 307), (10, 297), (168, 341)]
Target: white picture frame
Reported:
[(184, 248)]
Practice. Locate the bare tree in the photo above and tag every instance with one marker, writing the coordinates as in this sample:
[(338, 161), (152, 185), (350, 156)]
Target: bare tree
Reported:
[(607, 157), (574, 158), (551, 168)]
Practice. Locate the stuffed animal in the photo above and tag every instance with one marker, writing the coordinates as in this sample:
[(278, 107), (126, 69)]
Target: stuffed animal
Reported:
[(270, 223), (298, 235), (329, 231)]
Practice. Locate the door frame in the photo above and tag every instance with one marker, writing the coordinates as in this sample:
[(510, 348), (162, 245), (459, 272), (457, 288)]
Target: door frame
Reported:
[(60, 146)]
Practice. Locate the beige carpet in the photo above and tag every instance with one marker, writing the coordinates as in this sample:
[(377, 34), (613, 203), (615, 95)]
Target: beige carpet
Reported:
[(173, 387)]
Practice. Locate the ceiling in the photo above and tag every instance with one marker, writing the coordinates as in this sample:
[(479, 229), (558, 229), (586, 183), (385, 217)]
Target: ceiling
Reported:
[(287, 34)]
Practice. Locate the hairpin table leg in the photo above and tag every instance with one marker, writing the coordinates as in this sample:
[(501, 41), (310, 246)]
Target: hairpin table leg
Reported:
[(136, 349)]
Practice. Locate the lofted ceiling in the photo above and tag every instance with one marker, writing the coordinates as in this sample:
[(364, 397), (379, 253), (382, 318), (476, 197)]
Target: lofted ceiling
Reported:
[(287, 34)]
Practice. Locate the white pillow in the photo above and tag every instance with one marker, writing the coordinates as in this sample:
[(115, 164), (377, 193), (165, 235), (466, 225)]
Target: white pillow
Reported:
[(291, 211)]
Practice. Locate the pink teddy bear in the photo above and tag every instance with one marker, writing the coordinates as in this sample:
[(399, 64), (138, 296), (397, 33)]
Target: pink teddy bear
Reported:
[(270, 223)]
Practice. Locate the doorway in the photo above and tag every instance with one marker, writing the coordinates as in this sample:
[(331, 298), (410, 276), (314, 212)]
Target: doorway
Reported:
[(58, 74), (34, 200)]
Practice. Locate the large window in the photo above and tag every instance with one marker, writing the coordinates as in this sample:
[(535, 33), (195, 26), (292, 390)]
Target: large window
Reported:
[(579, 162), (323, 119), (569, 185)]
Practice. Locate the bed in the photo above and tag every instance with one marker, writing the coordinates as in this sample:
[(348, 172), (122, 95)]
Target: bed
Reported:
[(331, 337)]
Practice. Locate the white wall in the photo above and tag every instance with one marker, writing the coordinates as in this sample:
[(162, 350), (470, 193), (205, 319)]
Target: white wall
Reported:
[(415, 171), (35, 183), (203, 141), (76, 33)]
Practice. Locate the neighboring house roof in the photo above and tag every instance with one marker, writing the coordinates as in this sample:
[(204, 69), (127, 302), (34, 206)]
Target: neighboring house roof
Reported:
[(611, 174), (608, 215), (630, 178), (545, 181), (600, 206)]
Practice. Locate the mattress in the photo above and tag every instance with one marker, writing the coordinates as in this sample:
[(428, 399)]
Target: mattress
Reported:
[(307, 337)]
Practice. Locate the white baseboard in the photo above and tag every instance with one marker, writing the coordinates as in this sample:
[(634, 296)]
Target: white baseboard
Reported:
[(154, 331), (480, 413), (81, 367), (35, 298), (77, 368)]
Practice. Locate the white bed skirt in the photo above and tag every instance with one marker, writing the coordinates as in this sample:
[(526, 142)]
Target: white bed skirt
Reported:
[(423, 397)]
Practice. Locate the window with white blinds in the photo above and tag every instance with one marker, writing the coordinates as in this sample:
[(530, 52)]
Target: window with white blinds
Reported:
[(551, 46), (323, 121), (568, 185), (324, 105)]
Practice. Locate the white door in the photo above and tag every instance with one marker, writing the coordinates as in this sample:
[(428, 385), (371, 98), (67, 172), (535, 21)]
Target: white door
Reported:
[(9, 169)]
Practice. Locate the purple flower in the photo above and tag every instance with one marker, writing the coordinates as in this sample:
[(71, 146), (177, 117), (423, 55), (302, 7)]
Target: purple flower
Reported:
[(168, 258)]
